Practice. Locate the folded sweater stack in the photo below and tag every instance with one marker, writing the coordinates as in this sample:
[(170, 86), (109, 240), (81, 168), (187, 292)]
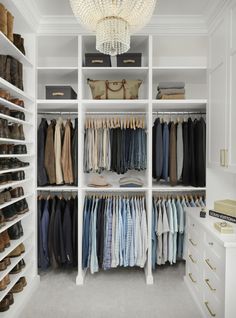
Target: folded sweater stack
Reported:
[(171, 90), (130, 182)]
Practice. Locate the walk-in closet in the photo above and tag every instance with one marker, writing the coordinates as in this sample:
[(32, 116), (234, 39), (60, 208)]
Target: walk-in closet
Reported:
[(117, 158)]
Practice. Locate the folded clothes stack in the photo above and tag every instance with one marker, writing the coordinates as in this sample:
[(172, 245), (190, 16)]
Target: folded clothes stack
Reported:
[(98, 182), (171, 90), (130, 182)]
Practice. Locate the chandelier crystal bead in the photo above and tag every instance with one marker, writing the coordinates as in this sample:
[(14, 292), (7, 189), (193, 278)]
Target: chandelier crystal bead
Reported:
[(113, 21)]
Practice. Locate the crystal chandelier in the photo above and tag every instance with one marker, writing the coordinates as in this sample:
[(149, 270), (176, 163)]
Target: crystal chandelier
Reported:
[(113, 21)]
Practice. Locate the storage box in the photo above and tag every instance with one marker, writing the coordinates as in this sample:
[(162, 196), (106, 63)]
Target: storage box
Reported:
[(97, 60), (224, 228), (227, 207), (129, 60), (60, 92)]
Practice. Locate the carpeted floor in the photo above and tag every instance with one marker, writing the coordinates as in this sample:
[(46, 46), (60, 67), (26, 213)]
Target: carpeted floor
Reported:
[(113, 294)]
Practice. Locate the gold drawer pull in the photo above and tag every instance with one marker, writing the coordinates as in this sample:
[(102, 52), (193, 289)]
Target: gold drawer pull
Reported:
[(97, 61), (209, 264), (191, 277), (192, 259), (209, 285), (191, 241), (209, 309), (128, 61)]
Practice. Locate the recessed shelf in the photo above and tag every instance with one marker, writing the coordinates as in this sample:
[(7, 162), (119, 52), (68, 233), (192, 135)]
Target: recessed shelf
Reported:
[(15, 200), (14, 141), (56, 71), (15, 169), (14, 244), (20, 217), (14, 91), (13, 184), (122, 72), (57, 105), (13, 106), (15, 120), (8, 48), (58, 188)]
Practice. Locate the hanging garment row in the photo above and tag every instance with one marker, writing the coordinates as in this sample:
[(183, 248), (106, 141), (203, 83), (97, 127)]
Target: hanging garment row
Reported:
[(115, 144), (58, 152), (115, 232), (168, 226), (57, 231), (179, 151)]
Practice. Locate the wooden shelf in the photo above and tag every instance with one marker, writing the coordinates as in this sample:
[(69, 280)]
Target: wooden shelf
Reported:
[(14, 91), (8, 48)]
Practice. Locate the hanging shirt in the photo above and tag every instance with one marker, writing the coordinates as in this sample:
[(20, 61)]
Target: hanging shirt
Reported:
[(159, 232), (175, 223), (171, 232), (165, 231)]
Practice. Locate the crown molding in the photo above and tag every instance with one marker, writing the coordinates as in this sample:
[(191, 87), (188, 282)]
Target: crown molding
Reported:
[(159, 24)]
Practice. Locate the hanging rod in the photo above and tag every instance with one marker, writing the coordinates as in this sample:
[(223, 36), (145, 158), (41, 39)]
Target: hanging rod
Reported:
[(179, 113), (116, 113), (57, 113)]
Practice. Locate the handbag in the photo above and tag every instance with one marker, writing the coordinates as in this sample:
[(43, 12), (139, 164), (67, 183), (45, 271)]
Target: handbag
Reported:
[(104, 89)]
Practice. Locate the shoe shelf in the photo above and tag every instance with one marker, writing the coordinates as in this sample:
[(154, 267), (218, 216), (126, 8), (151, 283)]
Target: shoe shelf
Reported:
[(13, 106), (15, 91), (14, 262), (14, 278), (14, 201), (26, 155), (8, 48), (15, 120), (15, 170), (17, 219), (58, 188), (14, 141), (14, 244), (14, 184)]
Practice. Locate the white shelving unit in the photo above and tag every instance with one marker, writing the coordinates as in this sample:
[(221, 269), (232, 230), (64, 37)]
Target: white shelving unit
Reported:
[(162, 60), (28, 220)]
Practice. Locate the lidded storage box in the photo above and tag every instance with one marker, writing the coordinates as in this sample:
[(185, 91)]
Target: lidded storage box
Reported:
[(60, 92), (97, 60), (129, 60)]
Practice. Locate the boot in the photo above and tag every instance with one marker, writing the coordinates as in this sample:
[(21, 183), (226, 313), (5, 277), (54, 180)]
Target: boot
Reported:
[(19, 42), (14, 71), (2, 245), (10, 22), (22, 46), (15, 134), (3, 19), (3, 63), (6, 131), (1, 129), (21, 131), (6, 238), (20, 76), (8, 69)]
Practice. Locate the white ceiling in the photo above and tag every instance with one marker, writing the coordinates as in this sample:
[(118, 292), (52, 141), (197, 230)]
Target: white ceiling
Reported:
[(164, 7)]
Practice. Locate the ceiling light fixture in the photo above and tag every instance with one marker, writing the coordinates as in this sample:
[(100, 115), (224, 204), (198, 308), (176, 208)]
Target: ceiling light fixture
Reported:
[(113, 21)]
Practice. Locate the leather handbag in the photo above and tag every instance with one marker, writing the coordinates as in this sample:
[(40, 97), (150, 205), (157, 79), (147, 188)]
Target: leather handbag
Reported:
[(104, 89)]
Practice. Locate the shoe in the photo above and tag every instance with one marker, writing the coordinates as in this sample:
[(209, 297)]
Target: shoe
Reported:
[(10, 297), (6, 239), (17, 192), (4, 304), (2, 220), (3, 109), (20, 249), (14, 131), (7, 261), (10, 213), (20, 227), (21, 206), (10, 23), (7, 279), (19, 42), (4, 149), (21, 132), (22, 263), (18, 287), (14, 232), (1, 128), (3, 180), (14, 71), (18, 176), (20, 76), (23, 281), (16, 114), (5, 196), (4, 94), (16, 269), (20, 149), (3, 265), (2, 245), (3, 19), (18, 102)]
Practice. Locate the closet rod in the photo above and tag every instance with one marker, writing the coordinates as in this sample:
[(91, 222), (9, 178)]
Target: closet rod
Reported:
[(116, 113), (57, 113), (179, 113)]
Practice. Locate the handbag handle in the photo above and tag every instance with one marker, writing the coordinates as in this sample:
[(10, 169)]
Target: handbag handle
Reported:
[(116, 90)]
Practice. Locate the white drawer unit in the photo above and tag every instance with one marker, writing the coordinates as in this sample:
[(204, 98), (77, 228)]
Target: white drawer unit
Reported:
[(210, 266)]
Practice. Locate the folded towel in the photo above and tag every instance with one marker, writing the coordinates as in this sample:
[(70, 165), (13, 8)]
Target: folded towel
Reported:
[(171, 91), (171, 85), (176, 96)]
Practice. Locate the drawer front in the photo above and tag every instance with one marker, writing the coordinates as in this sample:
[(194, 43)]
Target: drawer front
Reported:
[(192, 224), (213, 284), (194, 240), (214, 246), (213, 264), (194, 279), (212, 307), (194, 258)]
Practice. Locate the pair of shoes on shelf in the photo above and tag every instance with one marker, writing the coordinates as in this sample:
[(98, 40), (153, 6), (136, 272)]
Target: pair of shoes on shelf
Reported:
[(11, 177), (7, 301), (18, 268), (13, 131), (4, 282), (13, 113), (15, 231), (12, 163), (4, 241), (18, 41), (12, 211), (6, 149), (6, 95), (5, 263), (11, 70)]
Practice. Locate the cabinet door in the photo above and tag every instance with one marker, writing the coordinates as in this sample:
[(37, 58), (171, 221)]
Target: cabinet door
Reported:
[(232, 93), (217, 95)]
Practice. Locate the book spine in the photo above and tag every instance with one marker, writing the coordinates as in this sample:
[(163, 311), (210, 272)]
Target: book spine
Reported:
[(222, 216)]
